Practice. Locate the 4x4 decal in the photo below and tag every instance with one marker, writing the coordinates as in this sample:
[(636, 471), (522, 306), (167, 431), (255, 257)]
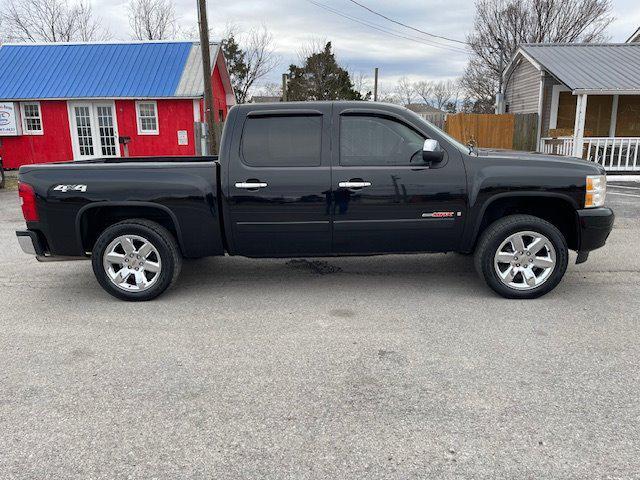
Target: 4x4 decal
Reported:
[(70, 188)]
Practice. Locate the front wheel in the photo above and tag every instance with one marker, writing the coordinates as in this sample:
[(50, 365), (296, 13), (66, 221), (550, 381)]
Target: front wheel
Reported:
[(522, 256), (136, 260)]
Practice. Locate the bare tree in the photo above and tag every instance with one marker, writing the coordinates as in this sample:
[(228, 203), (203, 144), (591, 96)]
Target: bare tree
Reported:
[(445, 92), (152, 19), (250, 57), (89, 27), (424, 90), (386, 95), (51, 21), (405, 90), (361, 84), (501, 25), (309, 47), (480, 87), (270, 89)]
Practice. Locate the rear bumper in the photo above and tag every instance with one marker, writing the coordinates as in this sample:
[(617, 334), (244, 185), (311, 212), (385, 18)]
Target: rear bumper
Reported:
[(30, 243), (595, 225)]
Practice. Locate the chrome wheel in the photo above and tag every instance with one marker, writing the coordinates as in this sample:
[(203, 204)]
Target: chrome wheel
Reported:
[(525, 260), (132, 263)]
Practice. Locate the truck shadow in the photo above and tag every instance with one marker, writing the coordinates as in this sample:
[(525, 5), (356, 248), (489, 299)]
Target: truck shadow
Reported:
[(445, 271)]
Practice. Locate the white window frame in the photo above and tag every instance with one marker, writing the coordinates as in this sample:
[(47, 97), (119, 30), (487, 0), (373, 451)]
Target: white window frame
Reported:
[(555, 100), (25, 130), (138, 122)]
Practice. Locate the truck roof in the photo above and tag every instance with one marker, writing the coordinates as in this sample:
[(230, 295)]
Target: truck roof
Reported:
[(312, 104)]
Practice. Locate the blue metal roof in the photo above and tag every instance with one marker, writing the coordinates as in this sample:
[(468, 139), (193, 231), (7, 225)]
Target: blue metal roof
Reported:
[(86, 70)]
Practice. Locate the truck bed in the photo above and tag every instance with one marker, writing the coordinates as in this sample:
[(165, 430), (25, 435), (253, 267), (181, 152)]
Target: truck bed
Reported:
[(75, 199)]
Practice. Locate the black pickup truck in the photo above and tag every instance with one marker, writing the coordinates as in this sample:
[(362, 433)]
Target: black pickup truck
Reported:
[(318, 179)]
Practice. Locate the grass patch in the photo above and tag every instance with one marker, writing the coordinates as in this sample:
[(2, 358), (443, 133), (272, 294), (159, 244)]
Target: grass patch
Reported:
[(10, 183)]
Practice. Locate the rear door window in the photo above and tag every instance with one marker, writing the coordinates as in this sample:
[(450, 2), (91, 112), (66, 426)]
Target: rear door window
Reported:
[(282, 141)]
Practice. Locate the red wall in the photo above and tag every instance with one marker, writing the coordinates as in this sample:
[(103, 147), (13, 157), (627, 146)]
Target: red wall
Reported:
[(53, 146), (173, 115), (219, 95)]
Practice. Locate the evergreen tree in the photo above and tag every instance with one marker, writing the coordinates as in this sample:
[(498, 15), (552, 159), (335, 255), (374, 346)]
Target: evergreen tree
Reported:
[(236, 64), (320, 78)]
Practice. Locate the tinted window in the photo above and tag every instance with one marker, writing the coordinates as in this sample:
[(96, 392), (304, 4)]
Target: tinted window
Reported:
[(282, 141), (377, 141)]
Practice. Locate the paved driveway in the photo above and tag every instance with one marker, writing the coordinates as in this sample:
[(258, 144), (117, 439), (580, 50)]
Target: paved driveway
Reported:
[(388, 367)]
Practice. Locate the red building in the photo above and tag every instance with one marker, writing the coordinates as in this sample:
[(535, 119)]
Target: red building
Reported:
[(83, 100)]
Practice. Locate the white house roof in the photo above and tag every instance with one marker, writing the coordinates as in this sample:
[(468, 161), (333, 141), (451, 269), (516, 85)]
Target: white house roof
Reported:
[(611, 68), (191, 82), (635, 36)]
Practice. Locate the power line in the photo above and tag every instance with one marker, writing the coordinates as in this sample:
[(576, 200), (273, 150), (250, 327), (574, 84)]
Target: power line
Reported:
[(431, 43), (407, 26)]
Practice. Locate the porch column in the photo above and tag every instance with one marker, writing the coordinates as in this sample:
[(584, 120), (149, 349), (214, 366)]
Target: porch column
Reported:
[(578, 128), (614, 116)]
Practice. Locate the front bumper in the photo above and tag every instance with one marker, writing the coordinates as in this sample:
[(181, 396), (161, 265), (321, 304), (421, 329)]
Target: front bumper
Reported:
[(594, 227)]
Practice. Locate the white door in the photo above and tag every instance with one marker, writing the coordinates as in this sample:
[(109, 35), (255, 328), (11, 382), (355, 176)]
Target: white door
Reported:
[(94, 130)]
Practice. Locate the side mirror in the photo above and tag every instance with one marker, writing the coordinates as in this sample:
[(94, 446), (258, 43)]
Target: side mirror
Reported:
[(431, 151)]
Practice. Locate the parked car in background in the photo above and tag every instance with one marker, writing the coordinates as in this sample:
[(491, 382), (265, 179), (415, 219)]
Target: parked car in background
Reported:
[(318, 179)]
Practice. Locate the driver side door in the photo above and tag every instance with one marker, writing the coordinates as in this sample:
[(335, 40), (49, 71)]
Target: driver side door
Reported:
[(385, 198)]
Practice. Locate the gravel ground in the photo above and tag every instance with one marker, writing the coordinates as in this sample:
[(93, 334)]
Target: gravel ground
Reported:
[(386, 367)]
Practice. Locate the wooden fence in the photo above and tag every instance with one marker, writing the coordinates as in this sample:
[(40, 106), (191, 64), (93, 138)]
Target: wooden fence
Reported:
[(507, 131)]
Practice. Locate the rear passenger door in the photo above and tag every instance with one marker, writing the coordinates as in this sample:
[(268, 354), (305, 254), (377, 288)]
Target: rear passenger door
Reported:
[(279, 182)]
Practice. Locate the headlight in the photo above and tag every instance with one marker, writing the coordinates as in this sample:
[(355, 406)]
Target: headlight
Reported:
[(596, 191)]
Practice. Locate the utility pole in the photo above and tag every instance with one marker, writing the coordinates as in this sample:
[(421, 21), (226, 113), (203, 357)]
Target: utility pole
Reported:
[(285, 77), (206, 70), (375, 85)]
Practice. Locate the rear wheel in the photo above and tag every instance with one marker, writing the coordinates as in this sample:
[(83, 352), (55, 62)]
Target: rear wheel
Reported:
[(522, 256), (136, 260)]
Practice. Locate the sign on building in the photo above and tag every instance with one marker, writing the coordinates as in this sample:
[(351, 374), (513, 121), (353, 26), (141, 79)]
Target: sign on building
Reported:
[(183, 139), (9, 123)]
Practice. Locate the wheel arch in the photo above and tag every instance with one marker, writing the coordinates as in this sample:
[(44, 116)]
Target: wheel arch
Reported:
[(94, 218), (556, 208)]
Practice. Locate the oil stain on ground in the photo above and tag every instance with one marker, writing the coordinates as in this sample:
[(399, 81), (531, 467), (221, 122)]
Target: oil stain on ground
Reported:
[(319, 267)]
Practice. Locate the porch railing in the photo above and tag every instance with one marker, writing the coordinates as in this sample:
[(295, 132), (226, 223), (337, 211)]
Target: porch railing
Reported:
[(614, 154)]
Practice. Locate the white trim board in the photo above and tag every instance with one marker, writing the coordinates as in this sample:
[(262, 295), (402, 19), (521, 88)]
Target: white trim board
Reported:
[(555, 99)]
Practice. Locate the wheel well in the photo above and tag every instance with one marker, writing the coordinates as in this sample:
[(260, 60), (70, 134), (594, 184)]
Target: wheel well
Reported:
[(556, 211), (96, 220)]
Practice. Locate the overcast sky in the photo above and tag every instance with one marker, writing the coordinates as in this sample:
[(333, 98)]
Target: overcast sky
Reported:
[(358, 47)]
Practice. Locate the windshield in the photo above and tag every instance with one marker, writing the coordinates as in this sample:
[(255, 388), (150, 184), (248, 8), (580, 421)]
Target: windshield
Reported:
[(463, 148)]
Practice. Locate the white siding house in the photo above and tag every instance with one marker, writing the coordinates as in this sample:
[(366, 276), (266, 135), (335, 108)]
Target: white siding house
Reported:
[(587, 97)]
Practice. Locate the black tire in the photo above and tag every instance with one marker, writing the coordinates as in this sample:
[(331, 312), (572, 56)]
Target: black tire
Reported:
[(161, 239), (501, 230)]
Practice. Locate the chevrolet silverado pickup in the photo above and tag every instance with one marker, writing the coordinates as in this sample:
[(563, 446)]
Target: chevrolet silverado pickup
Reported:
[(318, 179)]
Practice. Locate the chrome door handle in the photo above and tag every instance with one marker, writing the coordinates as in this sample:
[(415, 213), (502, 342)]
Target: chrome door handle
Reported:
[(250, 185), (354, 184)]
